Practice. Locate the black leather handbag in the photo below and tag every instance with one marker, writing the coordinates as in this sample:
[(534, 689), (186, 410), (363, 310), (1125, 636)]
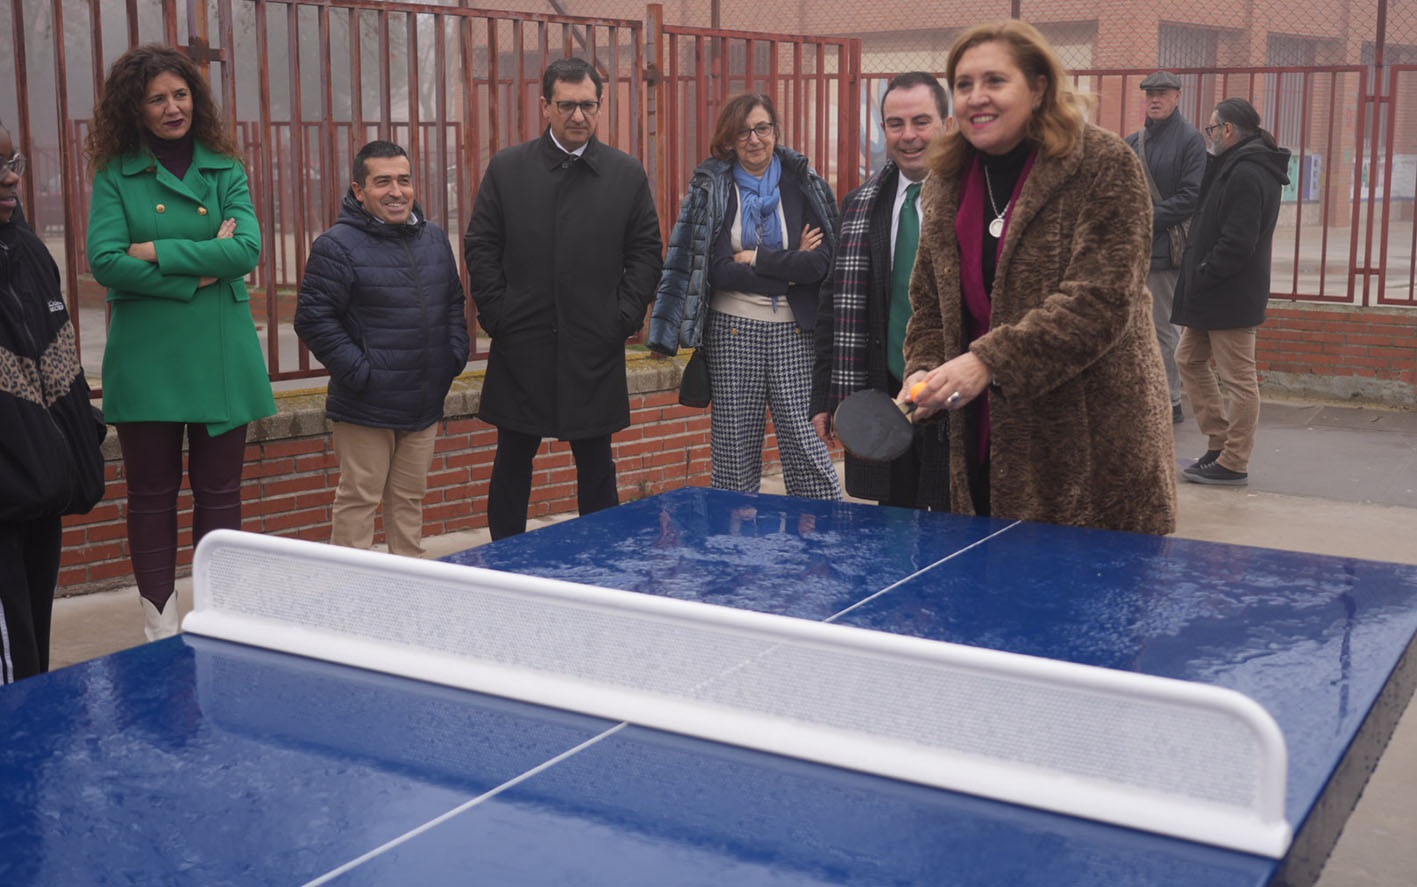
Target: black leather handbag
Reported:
[(694, 388)]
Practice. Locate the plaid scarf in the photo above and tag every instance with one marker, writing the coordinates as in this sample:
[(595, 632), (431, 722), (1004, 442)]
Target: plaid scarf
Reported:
[(851, 287)]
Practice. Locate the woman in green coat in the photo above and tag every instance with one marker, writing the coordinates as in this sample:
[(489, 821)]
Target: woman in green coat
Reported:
[(172, 234)]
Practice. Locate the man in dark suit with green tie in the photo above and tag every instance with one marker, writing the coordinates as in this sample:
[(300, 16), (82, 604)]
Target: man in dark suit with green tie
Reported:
[(861, 333)]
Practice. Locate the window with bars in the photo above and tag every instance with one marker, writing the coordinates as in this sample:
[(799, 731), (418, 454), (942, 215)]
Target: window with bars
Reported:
[(1393, 54), (1075, 43), (1188, 46), (1283, 113)]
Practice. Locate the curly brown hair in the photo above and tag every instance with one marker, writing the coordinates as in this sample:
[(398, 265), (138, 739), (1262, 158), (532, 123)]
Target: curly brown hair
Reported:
[(1057, 123), (116, 128)]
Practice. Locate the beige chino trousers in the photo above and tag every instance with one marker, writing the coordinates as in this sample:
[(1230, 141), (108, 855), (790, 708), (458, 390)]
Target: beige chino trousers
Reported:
[(1233, 431), (381, 465)]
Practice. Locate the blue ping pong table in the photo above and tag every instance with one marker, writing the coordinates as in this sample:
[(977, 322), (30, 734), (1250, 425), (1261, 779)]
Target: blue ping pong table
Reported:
[(117, 771)]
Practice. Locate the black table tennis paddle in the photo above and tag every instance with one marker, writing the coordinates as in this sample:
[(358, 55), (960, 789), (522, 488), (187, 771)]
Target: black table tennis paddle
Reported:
[(874, 427)]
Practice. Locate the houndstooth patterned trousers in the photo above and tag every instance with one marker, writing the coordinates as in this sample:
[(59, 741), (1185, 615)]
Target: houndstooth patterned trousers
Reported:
[(754, 365)]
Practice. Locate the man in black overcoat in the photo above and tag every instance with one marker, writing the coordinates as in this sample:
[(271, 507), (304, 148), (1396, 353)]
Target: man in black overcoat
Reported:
[(563, 254)]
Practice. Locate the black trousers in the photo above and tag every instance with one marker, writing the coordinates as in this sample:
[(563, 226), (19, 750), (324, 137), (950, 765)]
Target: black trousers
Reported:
[(926, 462), (975, 459), (510, 489), (152, 462), (908, 471), (29, 571)]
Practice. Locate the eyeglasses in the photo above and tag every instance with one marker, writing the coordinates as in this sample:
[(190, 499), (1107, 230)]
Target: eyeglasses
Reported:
[(588, 108), (762, 131), (15, 164), (1210, 130)]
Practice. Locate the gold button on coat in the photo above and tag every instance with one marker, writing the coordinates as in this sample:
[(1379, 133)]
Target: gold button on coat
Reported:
[(162, 208), (201, 210)]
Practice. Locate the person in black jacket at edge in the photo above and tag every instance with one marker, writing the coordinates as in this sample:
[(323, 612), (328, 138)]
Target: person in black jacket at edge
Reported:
[(1224, 288), (50, 435), (382, 307)]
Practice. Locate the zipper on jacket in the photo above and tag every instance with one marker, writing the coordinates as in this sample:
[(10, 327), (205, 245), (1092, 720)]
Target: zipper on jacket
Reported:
[(422, 303)]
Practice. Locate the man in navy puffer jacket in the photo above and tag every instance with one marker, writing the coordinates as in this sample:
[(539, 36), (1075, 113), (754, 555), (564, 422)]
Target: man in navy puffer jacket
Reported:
[(382, 307)]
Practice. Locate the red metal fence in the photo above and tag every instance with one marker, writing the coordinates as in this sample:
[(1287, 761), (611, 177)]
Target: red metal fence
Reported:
[(305, 82), (1396, 125), (476, 76), (1344, 234), (812, 80), (1310, 112)]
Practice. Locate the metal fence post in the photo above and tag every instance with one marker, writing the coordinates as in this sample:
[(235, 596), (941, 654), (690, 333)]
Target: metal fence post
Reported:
[(654, 101)]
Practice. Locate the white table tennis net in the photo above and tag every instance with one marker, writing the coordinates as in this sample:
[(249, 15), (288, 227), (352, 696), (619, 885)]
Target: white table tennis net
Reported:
[(1183, 759)]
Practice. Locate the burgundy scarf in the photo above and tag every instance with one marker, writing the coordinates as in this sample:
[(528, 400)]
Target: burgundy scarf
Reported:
[(969, 230)]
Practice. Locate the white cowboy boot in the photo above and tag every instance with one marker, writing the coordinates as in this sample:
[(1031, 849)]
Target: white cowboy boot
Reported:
[(159, 624)]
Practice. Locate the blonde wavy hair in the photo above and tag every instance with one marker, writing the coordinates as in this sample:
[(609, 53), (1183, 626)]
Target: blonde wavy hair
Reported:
[(1062, 112)]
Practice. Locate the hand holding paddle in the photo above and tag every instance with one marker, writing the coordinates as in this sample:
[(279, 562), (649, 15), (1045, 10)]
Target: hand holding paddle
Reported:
[(949, 386), (873, 427)]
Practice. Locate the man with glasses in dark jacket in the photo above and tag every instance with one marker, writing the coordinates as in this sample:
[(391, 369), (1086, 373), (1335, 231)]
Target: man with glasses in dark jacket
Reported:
[(382, 307), (1172, 152), (1224, 287), (563, 255)]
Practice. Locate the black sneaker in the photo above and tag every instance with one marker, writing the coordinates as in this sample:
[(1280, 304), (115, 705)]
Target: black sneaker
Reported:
[(1215, 473), (1207, 460), (1178, 415)]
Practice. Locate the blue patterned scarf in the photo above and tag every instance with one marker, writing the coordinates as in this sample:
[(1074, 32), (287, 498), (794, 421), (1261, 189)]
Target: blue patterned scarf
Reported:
[(760, 198)]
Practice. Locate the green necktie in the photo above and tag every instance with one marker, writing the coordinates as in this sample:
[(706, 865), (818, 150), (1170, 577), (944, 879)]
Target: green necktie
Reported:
[(907, 240)]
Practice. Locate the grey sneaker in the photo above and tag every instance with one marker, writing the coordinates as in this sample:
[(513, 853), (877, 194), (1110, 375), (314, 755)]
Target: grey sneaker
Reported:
[(1215, 473)]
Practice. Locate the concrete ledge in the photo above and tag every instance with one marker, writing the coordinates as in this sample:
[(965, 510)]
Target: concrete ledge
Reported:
[(1389, 393), (648, 371), (302, 413)]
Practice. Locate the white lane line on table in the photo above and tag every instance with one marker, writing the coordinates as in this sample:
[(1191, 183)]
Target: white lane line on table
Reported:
[(899, 582), (774, 648), (461, 808)]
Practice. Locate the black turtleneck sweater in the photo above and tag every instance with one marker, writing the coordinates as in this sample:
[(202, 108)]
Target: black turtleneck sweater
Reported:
[(175, 154), (1004, 170)]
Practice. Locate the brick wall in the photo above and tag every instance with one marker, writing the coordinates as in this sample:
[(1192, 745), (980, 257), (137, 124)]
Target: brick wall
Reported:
[(1340, 352), (290, 473)]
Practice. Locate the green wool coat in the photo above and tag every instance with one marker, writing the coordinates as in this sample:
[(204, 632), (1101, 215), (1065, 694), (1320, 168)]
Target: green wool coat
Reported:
[(178, 352)]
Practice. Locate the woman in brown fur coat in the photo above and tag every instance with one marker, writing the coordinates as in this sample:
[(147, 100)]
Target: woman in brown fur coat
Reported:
[(1032, 323)]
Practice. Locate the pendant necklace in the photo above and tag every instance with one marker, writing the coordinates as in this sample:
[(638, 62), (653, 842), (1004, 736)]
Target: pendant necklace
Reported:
[(996, 227)]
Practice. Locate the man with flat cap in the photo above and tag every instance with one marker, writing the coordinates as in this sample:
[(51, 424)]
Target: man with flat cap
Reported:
[(1172, 152)]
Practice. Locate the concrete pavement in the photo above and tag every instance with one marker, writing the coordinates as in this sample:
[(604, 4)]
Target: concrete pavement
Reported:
[(1324, 478)]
